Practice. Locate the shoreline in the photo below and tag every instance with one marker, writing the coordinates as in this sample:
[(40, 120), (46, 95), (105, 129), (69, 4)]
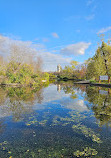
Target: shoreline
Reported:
[(94, 84)]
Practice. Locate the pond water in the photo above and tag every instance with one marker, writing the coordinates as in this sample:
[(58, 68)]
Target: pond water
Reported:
[(61, 120)]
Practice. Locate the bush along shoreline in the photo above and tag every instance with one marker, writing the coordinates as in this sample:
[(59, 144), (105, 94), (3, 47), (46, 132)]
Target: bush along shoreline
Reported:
[(18, 74)]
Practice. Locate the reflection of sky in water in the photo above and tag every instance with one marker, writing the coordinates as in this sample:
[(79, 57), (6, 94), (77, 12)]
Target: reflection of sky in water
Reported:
[(50, 94), (57, 127), (75, 104)]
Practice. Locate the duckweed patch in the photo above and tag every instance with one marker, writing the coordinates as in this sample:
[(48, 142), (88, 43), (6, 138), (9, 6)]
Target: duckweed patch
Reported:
[(51, 129), (5, 147), (87, 152), (76, 116), (73, 117), (34, 121), (88, 132), (20, 151)]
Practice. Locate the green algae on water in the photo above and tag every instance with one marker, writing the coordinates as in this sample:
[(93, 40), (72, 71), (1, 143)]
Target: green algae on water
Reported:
[(88, 132), (86, 152)]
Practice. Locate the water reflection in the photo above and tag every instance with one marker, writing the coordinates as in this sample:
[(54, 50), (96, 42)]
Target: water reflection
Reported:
[(100, 103), (18, 101), (2, 127), (55, 121)]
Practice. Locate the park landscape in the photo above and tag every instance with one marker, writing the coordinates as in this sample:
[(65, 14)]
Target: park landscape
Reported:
[(55, 97)]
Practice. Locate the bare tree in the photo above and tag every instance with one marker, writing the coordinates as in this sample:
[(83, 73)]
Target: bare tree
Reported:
[(38, 64)]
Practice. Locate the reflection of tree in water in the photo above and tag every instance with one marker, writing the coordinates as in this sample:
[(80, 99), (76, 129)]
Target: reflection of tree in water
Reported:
[(19, 100), (80, 87), (2, 127), (101, 104), (17, 108), (39, 96), (3, 95), (69, 88)]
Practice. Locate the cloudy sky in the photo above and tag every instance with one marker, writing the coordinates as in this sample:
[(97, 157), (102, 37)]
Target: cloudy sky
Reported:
[(62, 30)]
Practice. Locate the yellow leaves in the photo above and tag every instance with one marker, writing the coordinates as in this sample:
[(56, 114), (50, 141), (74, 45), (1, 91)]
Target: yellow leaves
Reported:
[(74, 64), (28, 124), (27, 150), (9, 152), (3, 148)]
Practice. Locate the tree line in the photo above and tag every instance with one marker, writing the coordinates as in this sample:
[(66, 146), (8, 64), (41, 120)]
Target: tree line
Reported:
[(19, 64), (99, 64)]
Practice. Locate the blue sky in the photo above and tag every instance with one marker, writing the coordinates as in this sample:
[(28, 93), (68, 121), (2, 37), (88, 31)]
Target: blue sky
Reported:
[(64, 30)]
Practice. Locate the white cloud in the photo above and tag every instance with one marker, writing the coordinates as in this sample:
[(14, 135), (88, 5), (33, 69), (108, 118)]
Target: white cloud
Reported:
[(55, 35), (103, 30), (90, 17), (75, 49), (50, 61), (8, 42)]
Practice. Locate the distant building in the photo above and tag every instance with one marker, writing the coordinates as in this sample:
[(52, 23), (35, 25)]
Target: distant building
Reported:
[(59, 68)]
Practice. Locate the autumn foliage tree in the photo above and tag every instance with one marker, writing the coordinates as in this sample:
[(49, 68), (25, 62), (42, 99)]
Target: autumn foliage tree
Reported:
[(100, 63), (23, 65)]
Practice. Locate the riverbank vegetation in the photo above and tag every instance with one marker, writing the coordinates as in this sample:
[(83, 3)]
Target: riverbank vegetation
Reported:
[(73, 71), (22, 73), (22, 65), (91, 69), (19, 65), (100, 63)]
